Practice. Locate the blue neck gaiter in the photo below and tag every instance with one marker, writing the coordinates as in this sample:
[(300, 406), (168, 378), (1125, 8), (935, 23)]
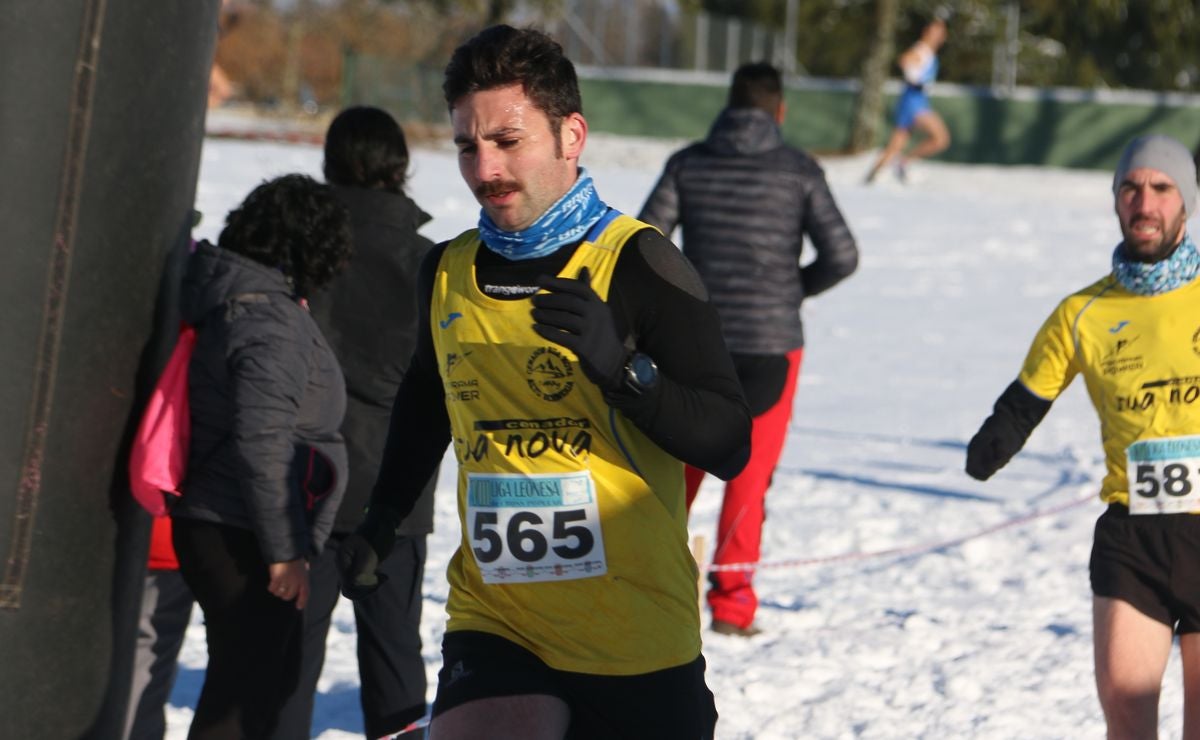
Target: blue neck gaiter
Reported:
[(1153, 278), (565, 222)]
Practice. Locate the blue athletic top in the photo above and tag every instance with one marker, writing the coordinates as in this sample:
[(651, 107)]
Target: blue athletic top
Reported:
[(913, 100)]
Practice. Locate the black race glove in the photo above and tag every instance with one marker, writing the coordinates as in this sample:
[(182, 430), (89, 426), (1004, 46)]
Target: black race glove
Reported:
[(991, 448), (1003, 434), (572, 315), (362, 552), (357, 563)]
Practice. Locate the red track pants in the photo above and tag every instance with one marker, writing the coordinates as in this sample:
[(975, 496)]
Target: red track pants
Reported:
[(739, 530)]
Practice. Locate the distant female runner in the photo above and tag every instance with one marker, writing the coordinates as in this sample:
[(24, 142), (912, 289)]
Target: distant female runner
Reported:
[(920, 67)]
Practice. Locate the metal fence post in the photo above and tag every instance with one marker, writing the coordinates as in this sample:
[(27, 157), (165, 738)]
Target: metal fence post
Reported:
[(733, 33), (791, 20)]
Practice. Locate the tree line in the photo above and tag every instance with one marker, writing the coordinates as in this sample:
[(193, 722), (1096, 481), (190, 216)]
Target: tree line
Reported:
[(1133, 44)]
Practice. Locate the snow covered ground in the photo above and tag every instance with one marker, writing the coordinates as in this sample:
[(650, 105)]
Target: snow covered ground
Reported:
[(900, 598)]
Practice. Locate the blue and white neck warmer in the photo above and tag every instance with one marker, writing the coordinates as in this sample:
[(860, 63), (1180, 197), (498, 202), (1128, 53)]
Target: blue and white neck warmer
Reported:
[(1153, 278), (565, 222)]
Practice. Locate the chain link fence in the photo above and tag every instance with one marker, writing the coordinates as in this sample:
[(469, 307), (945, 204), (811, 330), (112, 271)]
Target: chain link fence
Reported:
[(597, 35), (652, 34)]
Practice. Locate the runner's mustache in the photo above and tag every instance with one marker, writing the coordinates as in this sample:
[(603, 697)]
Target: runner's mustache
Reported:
[(494, 187)]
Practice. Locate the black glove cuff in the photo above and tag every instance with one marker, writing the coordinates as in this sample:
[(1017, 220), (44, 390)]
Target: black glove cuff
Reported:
[(379, 529), (1016, 413)]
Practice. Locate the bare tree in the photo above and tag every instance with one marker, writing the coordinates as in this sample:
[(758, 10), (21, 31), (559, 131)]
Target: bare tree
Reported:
[(868, 106)]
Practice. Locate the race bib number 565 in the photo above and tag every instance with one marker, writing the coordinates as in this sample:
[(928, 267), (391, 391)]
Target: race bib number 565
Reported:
[(526, 528), (1164, 475)]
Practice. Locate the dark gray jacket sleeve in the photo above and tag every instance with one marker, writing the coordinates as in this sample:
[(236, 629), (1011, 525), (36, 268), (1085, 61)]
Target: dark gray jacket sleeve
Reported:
[(661, 209), (837, 252), (268, 366)]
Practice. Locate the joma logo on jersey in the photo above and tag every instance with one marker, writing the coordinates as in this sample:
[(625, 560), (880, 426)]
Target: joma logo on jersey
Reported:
[(1196, 342), (549, 374)]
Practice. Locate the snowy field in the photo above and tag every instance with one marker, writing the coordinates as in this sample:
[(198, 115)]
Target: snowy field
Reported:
[(900, 598)]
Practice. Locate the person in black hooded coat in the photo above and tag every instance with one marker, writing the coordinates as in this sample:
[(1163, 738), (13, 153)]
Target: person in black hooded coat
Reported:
[(745, 201), (369, 315)]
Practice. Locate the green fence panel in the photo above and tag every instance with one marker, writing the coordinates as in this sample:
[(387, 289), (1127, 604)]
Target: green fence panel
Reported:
[(1062, 128)]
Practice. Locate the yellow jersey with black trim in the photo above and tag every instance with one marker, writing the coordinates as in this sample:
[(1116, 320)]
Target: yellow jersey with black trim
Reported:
[(1140, 358), (574, 526)]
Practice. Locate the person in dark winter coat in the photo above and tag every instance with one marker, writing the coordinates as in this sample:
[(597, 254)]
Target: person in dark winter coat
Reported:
[(369, 316), (745, 201), (266, 464)]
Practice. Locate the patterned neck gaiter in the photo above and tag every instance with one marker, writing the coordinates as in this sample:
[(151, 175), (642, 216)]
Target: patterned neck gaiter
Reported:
[(563, 223), (1154, 278)]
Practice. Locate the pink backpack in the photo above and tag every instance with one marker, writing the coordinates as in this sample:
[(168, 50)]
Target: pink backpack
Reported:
[(158, 460)]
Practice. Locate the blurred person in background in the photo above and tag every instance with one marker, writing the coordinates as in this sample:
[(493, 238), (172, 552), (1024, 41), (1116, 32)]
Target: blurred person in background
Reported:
[(919, 65), (368, 315), (266, 464), (162, 626), (745, 201)]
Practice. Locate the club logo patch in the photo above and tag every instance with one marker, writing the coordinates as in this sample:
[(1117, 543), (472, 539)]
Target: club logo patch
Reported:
[(454, 361), (1122, 357), (1196, 342), (549, 374)]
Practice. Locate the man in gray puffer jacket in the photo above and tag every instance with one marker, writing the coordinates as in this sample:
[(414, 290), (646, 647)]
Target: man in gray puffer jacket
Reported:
[(745, 201), (266, 463)]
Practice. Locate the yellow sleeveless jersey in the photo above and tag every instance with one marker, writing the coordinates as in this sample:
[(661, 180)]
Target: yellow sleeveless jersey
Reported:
[(1140, 358), (574, 523)]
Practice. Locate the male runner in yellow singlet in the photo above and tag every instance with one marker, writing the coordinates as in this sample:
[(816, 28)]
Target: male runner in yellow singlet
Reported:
[(1134, 335), (571, 356)]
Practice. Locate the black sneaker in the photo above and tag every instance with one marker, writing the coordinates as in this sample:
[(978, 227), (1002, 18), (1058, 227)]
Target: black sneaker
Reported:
[(722, 627)]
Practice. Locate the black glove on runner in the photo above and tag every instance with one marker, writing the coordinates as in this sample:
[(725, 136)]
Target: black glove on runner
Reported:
[(572, 315), (357, 563), (1003, 434), (361, 553)]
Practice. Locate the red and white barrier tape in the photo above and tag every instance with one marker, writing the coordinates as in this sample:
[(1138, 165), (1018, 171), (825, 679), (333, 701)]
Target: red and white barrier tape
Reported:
[(900, 551), (419, 724)]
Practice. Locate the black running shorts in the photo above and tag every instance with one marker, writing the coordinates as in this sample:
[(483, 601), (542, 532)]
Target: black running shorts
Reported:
[(666, 704), (1152, 562)]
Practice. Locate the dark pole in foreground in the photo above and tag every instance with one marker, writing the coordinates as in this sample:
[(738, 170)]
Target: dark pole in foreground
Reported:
[(101, 122)]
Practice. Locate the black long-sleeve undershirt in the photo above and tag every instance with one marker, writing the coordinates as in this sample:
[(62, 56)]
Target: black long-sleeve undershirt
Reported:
[(697, 413)]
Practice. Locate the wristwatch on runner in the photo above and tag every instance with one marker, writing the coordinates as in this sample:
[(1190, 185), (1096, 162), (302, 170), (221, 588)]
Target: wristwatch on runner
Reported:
[(641, 374)]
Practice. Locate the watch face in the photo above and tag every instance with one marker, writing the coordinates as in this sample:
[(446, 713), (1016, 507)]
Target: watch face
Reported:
[(644, 371)]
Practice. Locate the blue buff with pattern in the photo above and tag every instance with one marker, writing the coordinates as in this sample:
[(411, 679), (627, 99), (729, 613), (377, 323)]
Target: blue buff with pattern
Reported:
[(1163, 276), (565, 222)]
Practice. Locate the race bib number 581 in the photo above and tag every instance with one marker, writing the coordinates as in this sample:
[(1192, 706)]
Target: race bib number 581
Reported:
[(526, 528), (1164, 475)]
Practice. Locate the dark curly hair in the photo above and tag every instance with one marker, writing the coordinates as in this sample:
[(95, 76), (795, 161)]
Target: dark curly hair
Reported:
[(293, 223), (365, 148), (503, 55)]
